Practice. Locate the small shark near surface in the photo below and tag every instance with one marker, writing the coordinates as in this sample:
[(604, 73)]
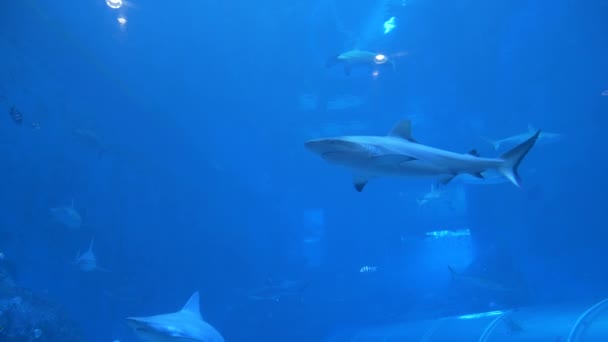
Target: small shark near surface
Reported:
[(356, 57), (398, 154), (185, 325), (544, 137)]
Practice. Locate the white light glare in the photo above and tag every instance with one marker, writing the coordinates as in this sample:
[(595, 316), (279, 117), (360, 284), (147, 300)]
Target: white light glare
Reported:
[(380, 59), (481, 315), (122, 20), (114, 3)]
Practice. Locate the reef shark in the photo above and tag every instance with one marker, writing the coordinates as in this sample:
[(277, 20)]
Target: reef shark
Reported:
[(87, 262), (432, 195), (185, 325), (544, 137), (398, 154), (67, 216), (357, 57)]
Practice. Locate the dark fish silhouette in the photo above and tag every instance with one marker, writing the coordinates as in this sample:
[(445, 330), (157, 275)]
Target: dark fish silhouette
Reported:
[(16, 115)]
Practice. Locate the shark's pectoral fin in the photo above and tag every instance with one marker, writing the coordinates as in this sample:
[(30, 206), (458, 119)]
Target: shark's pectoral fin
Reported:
[(360, 185), (446, 179), (347, 70), (478, 175), (359, 182), (403, 129)]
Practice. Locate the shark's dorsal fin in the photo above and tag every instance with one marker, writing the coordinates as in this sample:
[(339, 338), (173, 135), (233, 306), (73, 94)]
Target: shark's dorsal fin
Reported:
[(403, 129), (193, 305)]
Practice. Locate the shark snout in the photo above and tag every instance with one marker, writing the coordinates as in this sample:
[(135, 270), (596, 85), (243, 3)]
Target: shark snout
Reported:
[(330, 145), (317, 145)]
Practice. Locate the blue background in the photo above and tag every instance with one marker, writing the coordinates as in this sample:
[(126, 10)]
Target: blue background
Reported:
[(206, 185)]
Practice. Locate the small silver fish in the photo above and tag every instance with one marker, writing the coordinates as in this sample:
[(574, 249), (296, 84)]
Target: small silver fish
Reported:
[(368, 269)]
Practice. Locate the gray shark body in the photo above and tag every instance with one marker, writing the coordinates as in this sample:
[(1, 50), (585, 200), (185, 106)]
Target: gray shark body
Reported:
[(185, 325), (398, 154)]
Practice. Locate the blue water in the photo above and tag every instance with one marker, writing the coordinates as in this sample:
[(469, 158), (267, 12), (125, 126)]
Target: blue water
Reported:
[(197, 178)]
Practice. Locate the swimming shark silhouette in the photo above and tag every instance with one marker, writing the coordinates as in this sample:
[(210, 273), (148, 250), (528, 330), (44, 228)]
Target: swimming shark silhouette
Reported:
[(356, 57), (67, 216), (477, 281), (185, 325), (87, 262), (398, 154)]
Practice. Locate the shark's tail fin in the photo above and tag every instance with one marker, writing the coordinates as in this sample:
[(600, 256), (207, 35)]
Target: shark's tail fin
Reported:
[(513, 158)]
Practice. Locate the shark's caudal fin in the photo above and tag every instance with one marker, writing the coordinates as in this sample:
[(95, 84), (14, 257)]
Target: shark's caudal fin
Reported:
[(513, 158)]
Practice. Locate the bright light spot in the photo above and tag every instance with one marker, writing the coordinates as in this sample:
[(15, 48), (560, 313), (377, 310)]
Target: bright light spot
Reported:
[(375, 73), (480, 315), (122, 20), (389, 25), (114, 3), (380, 59)]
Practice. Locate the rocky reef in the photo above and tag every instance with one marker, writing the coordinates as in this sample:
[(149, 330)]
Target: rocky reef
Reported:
[(25, 317)]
